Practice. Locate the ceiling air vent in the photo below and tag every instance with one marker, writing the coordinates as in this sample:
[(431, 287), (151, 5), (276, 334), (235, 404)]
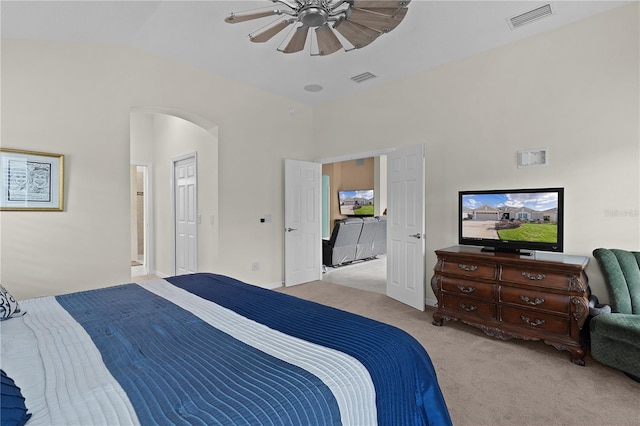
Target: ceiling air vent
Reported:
[(363, 77), (530, 16)]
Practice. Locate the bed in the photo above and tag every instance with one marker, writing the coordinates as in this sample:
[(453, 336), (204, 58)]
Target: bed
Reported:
[(208, 349)]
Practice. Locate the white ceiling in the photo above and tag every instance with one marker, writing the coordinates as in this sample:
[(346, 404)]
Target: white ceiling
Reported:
[(194, 32)]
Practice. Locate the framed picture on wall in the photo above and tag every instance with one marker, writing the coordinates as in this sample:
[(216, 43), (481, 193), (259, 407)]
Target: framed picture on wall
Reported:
[(31, 180)]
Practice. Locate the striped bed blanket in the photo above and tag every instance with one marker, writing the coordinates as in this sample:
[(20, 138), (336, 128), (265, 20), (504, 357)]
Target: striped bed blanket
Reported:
[(210, 350)]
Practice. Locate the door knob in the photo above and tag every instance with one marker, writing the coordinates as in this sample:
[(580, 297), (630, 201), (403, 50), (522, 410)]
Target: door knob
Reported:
[(418, 236), (290, 229)]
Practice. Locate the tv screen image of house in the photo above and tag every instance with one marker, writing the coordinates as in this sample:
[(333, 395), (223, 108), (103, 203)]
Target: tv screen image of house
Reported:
[(356, 202), (529, 219)]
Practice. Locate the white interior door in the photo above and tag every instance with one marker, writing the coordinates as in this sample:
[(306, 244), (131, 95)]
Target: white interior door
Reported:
[(302, 222), (405, 226), (186, 222)]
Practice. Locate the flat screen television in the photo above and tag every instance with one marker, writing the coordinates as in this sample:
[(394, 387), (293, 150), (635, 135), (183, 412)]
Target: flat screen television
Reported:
[(514, 220), (356, 202)]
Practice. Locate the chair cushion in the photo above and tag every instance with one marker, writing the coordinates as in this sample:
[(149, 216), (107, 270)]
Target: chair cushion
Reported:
[(341, 248), (621, 270), (615, 341), (618, 327)]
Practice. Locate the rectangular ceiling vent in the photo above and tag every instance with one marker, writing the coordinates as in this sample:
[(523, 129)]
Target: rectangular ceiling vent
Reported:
[(530, 16), (363, 77)]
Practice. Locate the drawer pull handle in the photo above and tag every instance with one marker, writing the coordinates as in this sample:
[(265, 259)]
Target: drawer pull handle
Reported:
[(466, 289), (468, 268), (534, 277), (469, 308), (533, 302), (535, 323)]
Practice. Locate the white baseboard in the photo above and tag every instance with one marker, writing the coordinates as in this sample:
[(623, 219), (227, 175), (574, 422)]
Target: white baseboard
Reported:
[(431, 302), (272, 285)]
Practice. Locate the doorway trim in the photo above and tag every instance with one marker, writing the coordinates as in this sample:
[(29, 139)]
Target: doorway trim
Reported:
[(356, 156)]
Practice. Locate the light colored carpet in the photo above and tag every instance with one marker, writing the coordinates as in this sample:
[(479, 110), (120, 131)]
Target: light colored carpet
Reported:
[(370, 275), (487, 381)]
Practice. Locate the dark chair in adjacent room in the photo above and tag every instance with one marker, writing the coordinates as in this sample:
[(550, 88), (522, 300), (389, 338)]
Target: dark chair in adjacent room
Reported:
[(380, 239), (341, 247), (364, 248), (615, 336)]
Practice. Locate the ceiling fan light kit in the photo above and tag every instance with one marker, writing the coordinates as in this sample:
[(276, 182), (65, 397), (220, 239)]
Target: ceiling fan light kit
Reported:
[(337, 24)]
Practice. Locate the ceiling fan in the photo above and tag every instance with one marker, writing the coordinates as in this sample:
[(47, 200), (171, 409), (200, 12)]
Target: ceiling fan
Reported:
[(358, 22)]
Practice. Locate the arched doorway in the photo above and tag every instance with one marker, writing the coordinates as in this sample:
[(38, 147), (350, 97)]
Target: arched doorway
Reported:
[(157, 136)]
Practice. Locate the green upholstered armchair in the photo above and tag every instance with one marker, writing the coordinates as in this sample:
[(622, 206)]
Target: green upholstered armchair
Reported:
[(615, 336)]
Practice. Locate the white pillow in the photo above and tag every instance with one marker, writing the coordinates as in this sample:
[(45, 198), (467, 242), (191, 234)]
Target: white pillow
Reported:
[(9, 308)]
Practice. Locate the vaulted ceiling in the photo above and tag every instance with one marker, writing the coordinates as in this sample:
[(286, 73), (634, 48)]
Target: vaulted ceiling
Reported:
[(194, 32)]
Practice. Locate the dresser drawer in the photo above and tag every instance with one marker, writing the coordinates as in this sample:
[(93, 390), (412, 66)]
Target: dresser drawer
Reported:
[(536, 277), (538, 299), (469, 269), (535, 320), (473, 289), (476, 308)]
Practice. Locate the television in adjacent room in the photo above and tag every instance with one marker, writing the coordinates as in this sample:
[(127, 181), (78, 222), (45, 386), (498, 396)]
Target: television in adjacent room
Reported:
[(357, 202), (515, 220)]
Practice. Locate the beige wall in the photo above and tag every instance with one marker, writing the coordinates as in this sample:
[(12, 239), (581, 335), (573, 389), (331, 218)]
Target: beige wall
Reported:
[(574, 91), (77, 99)]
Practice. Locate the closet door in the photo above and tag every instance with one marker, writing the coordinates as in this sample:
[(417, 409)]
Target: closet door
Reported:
[(186, 216)]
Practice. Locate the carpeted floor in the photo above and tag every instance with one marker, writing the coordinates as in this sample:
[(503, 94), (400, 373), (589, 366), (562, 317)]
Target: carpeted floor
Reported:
[(487, 381), (368, 275)]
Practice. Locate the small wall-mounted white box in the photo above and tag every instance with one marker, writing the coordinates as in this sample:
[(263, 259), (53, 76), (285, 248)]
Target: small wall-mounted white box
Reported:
[(533, 157)]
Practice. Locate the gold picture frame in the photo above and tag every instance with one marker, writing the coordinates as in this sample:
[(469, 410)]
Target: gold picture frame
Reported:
[(31, 181)]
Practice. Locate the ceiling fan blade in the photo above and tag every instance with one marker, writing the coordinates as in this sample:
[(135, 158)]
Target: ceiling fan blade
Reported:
[(296, 44), (377, 21), (267, 34), (328, 43), (233, 18), (390, 12), (358, 35), (375, 4)]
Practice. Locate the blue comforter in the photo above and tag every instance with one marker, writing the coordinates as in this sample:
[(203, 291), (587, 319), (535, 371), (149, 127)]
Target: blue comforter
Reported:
[(178, 369)]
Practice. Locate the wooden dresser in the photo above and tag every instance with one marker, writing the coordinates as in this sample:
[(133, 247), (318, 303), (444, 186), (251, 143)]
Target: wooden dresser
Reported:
[(543, 296)]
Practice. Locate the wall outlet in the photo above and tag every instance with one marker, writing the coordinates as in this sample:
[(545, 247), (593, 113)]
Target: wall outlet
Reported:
[(255, 266)]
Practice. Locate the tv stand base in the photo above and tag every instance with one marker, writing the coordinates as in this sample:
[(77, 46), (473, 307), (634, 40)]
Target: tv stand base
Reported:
[(506, 251)]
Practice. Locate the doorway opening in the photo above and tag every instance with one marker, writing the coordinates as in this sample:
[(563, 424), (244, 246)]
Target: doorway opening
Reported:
[(139, 219), (158, 136), (405, 224), (357, 172)]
